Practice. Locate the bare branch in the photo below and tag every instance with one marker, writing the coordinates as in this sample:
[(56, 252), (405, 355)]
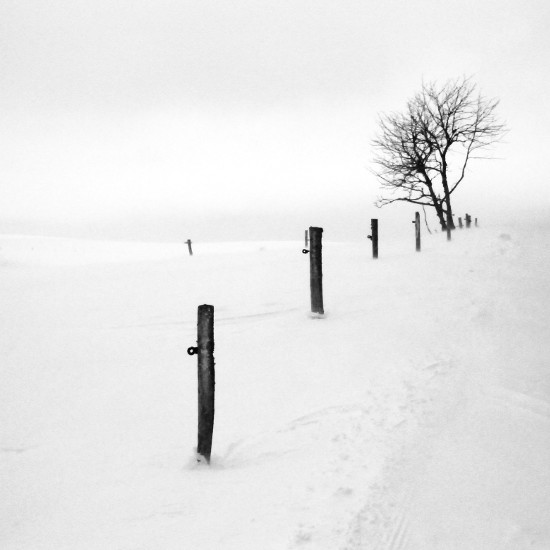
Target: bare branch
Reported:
[(419, 150)]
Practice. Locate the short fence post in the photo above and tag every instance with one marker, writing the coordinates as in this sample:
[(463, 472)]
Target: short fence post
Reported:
[(206, 380), (476, 222), (460, 223), (417, 230), (316, 269), (306, 239), (468, 221), (374, 237), (188, 241)]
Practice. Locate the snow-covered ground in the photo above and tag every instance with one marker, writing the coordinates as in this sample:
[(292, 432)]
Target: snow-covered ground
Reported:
[(415, 415)]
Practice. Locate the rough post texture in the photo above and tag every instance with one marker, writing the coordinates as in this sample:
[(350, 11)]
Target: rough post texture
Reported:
[(417, 230), (316, 269), (374, 236), (189, 246), (206, 378)]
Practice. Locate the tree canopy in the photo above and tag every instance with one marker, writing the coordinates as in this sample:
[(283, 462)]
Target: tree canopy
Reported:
[(422, 152)]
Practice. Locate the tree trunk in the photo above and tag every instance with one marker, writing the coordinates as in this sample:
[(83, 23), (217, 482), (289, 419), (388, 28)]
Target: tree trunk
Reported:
[(450, 221), (440, 215), (447, 195), (435, 202)]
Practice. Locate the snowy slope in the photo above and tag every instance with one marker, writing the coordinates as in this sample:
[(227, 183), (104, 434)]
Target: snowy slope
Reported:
[(415, 415)]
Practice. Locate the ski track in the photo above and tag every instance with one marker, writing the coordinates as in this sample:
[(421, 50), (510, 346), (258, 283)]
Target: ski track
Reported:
[(535, 407), (383, 522)]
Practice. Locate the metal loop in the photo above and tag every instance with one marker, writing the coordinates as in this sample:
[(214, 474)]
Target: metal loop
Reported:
[(369, 237), (192, 350), (305, 251)]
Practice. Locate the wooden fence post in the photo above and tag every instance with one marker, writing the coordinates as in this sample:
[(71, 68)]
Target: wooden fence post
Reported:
[(417, 230), (476, 222), (460, 223), (188, 241), (206, 380), (468, 219), (374, 237), (316, 269)]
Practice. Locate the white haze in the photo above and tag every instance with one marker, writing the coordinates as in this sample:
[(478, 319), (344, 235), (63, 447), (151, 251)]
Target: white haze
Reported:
[(157, 119)]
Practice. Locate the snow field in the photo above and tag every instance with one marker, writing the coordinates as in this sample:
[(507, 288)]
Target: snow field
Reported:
[(414, 415)]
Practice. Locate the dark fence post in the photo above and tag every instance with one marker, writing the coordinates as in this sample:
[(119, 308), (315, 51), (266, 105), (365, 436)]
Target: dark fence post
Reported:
[(206, 380), (188, 241), (417, 230), (468, 220), (374, 237), (316, 269), (460, 223)]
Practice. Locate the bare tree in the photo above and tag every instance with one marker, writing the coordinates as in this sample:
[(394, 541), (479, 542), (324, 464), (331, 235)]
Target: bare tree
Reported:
[(422, 153)]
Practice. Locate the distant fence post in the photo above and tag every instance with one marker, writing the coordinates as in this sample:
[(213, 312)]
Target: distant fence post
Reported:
[(374, 237), (468, 220), (316, 269), (417, 230), (206, 380), (188, 241), (306, 239), (460, 223), (476, 222)]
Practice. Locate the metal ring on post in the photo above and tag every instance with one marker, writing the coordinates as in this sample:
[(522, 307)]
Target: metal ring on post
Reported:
[(192, 350), (305, 251)]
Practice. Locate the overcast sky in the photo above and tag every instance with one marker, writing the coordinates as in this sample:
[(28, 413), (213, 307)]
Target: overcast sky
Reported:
[(215, 117)]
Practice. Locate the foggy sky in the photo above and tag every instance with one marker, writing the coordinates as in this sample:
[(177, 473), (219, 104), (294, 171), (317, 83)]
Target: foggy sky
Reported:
[(246, 111)]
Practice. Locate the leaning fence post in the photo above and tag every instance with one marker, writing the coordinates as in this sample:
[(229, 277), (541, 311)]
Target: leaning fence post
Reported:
[(206, 380), (316, 270), (460, 223), (188, 241), (374, 237), (417, 230)]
